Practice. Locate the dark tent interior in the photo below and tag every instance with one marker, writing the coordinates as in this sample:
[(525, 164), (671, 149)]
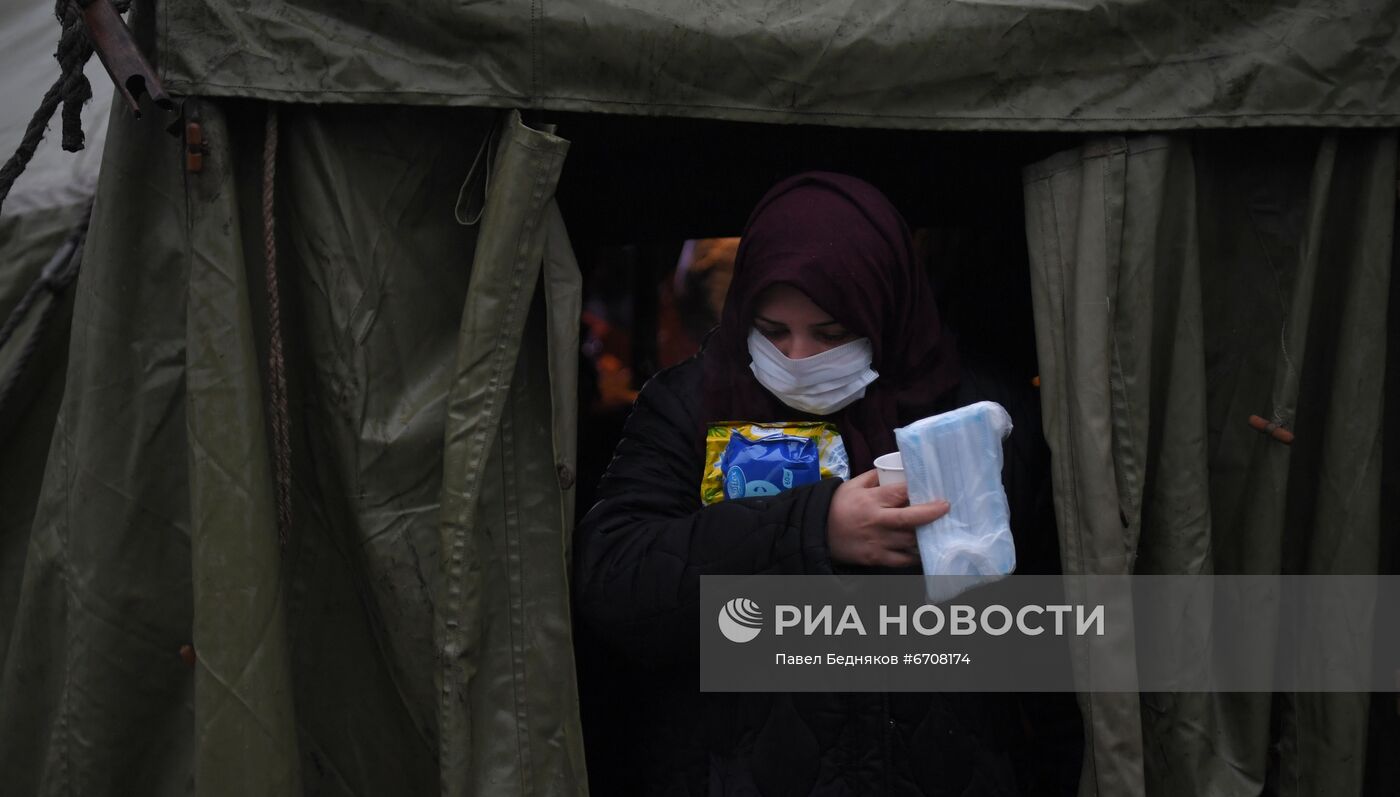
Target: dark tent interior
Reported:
[(634, 190)]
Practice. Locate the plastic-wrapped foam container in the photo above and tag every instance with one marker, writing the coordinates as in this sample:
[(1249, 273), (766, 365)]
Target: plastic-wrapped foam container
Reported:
[(957, 456)]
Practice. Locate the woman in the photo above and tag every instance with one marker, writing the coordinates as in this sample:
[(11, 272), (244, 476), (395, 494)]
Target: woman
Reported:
[(828, 317)]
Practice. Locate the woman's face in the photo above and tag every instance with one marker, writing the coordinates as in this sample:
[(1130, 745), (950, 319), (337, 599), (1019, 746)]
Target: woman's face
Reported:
[(795, 325)]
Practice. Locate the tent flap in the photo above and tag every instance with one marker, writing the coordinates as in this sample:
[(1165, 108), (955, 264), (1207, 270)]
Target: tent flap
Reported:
[(1183, 285), (96, 697), (245, 725), (502, 619), (316, 668)]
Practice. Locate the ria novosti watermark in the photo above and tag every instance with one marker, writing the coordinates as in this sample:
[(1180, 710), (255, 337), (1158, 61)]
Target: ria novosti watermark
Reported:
[(1114, 634), (741, 620)]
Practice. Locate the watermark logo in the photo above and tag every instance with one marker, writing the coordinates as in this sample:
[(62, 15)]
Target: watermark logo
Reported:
[(740, 620)]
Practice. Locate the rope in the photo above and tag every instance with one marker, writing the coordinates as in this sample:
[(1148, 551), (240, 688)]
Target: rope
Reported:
[(57, 275), (33, 134), (74, 50), (71, 90), (276, 364)]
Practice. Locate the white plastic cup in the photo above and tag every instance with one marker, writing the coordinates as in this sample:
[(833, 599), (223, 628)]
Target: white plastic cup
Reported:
[(890, 469)]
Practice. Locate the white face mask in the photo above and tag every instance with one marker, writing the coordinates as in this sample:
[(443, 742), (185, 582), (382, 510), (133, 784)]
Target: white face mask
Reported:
[(820, 384)]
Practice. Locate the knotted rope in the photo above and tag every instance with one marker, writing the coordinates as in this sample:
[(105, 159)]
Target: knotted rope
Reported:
[(71, 90)]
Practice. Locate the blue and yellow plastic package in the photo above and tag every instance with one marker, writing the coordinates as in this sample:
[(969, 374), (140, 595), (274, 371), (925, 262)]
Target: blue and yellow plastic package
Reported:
[(743, 460)]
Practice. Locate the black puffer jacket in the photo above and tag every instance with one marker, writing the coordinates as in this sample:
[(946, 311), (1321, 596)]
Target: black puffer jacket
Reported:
[(639, 555)]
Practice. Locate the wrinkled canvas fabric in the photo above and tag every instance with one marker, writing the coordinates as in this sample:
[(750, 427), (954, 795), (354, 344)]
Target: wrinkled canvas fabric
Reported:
[(1182, 284), (951, 64), (44, 208), (414, 636)]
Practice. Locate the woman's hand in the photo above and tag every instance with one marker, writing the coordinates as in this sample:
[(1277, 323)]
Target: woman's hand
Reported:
[(870, 525)]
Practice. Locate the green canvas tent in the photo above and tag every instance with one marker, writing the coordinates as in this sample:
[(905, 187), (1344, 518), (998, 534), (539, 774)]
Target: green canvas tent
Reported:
[(412, 633), (44, 208), (44, 212)]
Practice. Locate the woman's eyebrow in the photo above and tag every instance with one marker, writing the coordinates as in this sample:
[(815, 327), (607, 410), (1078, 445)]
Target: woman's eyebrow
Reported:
[(826, 323), (758, 317)]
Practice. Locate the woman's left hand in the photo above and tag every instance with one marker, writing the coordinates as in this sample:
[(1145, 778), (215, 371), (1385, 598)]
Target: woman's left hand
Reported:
[(873, 526)]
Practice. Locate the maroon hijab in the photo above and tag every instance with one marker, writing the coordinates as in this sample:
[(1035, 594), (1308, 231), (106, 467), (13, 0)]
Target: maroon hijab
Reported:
[(841, 242)]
